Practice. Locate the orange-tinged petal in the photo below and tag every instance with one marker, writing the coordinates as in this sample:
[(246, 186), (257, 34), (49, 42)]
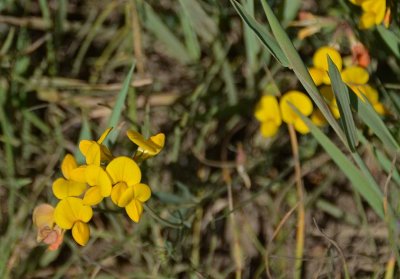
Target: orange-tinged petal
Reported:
[(67, 188), (117, 191), (96, 176), (134, 210), (124, 169), (320, 58), (297, 99), (92, 196), (43, 215), (104, 135), (67, 165), (81, 232), (142, 192), (355, 75)]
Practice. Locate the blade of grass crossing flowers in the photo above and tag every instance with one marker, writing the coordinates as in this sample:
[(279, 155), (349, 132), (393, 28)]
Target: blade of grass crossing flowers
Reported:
[(118, 107), (300, 69), (391, 40), (368, 190), (371, 118), (343, 101), (268, 41)]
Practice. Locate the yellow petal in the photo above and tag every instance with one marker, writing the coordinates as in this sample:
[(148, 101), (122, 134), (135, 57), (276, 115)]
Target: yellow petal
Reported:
[(104, 135), (301, 126), (357, 2), (63, 215), (134, 210), (142, 192), (269, 129), (78, 174), (318, 118), (92, 196), (67, 165), (43, 215), (93, 154), (84, 146), (268, 109), (375, 7), (81, 232), (140, 141), (66, 188), (367, 20), (370, 93), (127, 196), (320, 58), (317, 75), (158, 140), (117, 192), (297, 99), (380, 108), (355, 75), (124, 169), (96, 176)]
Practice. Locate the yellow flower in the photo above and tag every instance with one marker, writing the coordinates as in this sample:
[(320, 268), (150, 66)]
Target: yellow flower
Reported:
[(146, 147), (319, 73), (373, 97), (356, 78), (318, 118), (94, 151), (267, 112), (100, 184), (127, 191), (74, 182), (71, 213), (327, 93), (302, 102), (373, 12), (47, 231)]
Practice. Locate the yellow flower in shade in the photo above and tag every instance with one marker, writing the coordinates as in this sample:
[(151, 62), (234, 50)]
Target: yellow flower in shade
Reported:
[(146, 147), (100, 184), (127, 191), (74, 182), (356, 78), (302, 102), (319, 72), (373, 97), (47, 231), (373, 12), (94, 151), (318, 118), (268, 113), (327, 93), (71, 213)]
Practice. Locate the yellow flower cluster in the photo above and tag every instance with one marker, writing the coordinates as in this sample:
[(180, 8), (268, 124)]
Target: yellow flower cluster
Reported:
[(271, 114), (373, 12), (355, 77), (85, 186)]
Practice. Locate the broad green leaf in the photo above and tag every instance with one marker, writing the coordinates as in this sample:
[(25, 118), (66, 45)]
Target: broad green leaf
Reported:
[(343, 101), (300, 69), (268, 41)]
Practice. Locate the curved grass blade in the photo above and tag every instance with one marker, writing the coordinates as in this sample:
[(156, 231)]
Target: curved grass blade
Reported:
[(268, 41), (343, 101)]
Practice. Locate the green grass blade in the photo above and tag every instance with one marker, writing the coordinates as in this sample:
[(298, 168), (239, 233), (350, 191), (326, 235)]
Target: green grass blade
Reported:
[(118, 107), (268, 41), (371, 118), (390, 39), (300, 69), (367, 189), (343, 102)]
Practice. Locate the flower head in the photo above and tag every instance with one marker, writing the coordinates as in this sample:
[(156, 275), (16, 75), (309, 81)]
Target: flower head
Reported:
[(319, 73), (72, 213), (268, 113), (146, 147), (127, 191), (100, 184), (373, 12), (302, 102), (73, 184), (47, 231), (96, 152)]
